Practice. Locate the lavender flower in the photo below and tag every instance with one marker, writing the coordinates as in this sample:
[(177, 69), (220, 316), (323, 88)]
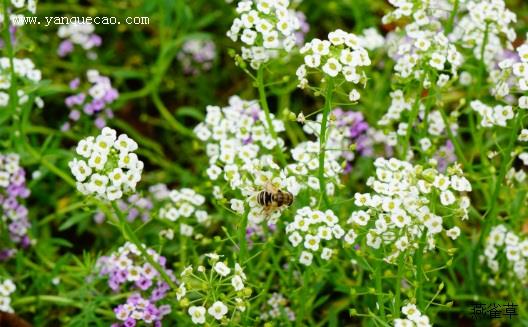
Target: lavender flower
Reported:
[(12, 212), (126, 270), (197, 56)]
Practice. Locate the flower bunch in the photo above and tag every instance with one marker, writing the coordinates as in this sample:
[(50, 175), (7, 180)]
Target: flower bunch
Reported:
[(277, 307), (413, 317), (482, 28), (425, 55), (492, 116), (512, 76), (266, 28), (316, 231), (197, 56), (505, 251), (25, 73), (15, 7), (418, 11), (339, 57), (77, 34), (238, 143), (108, 166), (185, 206), (93, 100), (7, 287), (215, 293), (405, 206), (127, 269), (12, 212)]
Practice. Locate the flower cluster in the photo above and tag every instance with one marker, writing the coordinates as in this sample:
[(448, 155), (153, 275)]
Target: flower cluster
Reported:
[(340, 56), (316, 230), (266, 28), (185, 207), (276, 305), (485, 21), (512, 76), (425, 55), (217, 293), (492, 116), (126, 268), (108, 167), (238, 141), (12, 212), (18, 6), (405, 205), (197, 56), (7, 287), (414, 317), (25, 72), (93, 100), (418, 11), (506, 251), (77, 34)]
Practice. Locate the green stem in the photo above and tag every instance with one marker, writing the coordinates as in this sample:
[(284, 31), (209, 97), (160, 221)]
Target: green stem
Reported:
[(397, 298), (414, 115), (379, 289), (242, 238), (265, 107), (322, 140)]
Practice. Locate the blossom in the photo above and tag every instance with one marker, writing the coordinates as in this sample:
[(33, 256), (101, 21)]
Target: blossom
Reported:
[(197, 314), (339, 57), (197, 55), (77, 34), (266, 29), (105, 168)]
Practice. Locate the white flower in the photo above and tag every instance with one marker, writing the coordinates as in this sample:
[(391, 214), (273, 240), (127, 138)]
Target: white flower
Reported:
[(311, 242), (453, 233), (218, 310), (306, 258), (197, 314), (332, 67), (354, 95), (222, 269), (237, 283)]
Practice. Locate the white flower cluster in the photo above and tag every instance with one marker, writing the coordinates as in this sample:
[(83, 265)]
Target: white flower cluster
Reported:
[(25, 72), (395, 115), (492, 116), (341, 54), (314, 231), (513, 76), (405, 206), (108, 167), (523, 135), (422, 50), (506, 250), (419, 11), (485, 17), (266, 27), (414, 317), (306, 166), (238, 141), (371, 39), (204, 285), (182, 206), (7, 287), (18, 19), (80, 34), (276, 307)]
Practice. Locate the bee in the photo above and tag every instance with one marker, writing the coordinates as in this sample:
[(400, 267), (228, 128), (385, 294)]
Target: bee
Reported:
[(273, 198), (12, 320)]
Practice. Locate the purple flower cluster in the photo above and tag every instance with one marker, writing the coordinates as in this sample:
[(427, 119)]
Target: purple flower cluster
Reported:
[(355, 128), (135, 206), (126, 269), (93, 101), (12, 213), (197, 56), (445, 156), (303, 30)]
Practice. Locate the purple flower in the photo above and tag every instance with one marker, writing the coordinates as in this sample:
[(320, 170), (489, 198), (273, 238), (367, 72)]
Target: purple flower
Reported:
[(65, 48)]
